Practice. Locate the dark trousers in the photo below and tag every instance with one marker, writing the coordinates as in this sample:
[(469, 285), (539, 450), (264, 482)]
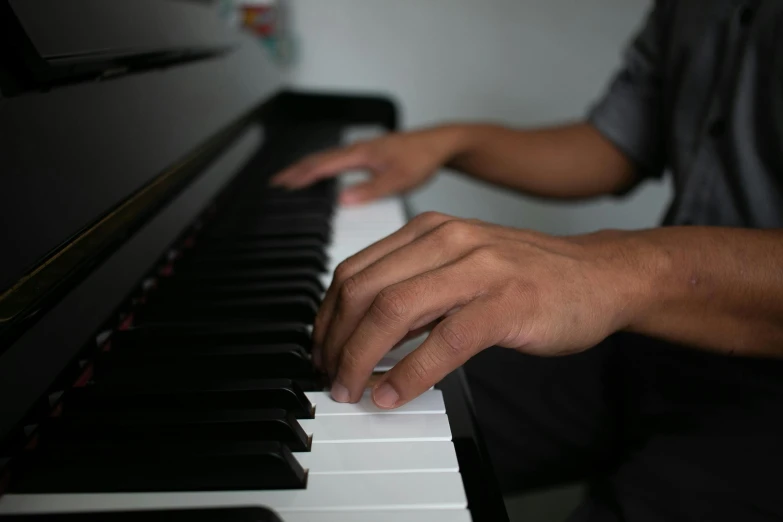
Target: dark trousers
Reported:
[(658, 432)]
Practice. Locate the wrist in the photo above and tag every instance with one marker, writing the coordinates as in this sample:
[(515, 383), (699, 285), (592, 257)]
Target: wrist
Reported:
[(452, 140), (636, 271)]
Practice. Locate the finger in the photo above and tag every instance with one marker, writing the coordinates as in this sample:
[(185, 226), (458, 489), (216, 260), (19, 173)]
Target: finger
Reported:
[(376, 188), (441, 245), (396, 311), (477, 326), (419, 225), (322, 165)]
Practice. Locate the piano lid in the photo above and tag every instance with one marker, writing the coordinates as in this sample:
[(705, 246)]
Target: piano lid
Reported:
[(80, 37)]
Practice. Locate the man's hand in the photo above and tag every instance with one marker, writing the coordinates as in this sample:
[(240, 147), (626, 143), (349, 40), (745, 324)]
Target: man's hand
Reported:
[(476, 285), (568, 162), (397, 163)]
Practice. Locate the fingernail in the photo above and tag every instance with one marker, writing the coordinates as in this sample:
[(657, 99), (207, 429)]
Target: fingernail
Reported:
[(340, 393), (385, 396)]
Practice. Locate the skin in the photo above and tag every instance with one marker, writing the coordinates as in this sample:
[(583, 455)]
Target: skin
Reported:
[(474, 285)]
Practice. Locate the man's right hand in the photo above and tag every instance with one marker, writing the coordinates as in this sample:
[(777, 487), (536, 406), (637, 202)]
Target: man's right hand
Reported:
[(396, 162)]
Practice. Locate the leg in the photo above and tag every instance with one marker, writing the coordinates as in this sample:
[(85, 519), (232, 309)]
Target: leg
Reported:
[(545, 420), (701, 438)]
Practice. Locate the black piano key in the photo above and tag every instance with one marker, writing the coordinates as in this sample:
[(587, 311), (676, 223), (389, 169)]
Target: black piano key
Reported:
[(155, 426), (256, 309), (248, 275), (257, 245), (277, 206), (169, 336), (182, 466), (276, 227), (305, 258), (260, 361), (179, 288), (230, 514), (137, 394), (274, 211)]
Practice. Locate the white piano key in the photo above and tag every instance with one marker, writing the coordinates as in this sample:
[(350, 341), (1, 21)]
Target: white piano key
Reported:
[(377, 428), (428, 402), (437, 491), (355, 228), (431, 515), (379, 457)]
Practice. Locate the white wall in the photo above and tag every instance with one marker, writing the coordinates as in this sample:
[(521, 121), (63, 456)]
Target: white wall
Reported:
[(518, 62)]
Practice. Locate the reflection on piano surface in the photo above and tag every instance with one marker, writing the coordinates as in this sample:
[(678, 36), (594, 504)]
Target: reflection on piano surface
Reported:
[(157, 295)]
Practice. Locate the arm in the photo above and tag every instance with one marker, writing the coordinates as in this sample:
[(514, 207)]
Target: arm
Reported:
[(567, 162), (717, 288)]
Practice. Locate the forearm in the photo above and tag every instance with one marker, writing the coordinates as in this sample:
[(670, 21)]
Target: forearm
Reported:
[(568, 162), (716, 288)]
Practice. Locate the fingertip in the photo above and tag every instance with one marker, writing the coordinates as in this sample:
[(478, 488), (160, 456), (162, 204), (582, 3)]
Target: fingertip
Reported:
[(385, 396), (340, 393)]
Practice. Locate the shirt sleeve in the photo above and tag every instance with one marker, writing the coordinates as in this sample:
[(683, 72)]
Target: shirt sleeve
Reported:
[(630, 114)]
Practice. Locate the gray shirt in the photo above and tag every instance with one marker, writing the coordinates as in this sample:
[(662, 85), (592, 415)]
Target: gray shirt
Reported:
[(700, 95)]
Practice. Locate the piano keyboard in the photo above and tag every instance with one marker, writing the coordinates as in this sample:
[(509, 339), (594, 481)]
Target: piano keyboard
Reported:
[(209, 379)]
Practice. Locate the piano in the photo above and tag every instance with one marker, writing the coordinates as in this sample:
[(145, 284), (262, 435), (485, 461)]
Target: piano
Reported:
[(156, 295)]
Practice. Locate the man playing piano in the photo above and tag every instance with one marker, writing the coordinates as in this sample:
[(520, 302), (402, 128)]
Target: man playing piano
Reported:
[(667, 392)]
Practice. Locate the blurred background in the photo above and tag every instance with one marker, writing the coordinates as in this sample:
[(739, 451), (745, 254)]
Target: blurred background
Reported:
[(516, 62)]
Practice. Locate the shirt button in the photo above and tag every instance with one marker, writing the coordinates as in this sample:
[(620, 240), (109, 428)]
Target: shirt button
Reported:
[(746, 16), (717, 127)]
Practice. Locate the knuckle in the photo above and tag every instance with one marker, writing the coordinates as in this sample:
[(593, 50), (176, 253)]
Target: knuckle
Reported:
[(457, 231), (390, 306), (416, 370), (350, 289), (430, 219), (457, 337), (343, 271), (484, 255)]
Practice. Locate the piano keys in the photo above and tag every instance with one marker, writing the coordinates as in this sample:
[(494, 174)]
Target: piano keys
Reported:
[(155, 341)]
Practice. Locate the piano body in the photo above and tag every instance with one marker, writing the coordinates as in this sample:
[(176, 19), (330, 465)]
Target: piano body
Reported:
[(156, 295)]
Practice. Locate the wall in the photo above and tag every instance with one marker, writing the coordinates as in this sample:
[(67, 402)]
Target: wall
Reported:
[(518, 62)]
